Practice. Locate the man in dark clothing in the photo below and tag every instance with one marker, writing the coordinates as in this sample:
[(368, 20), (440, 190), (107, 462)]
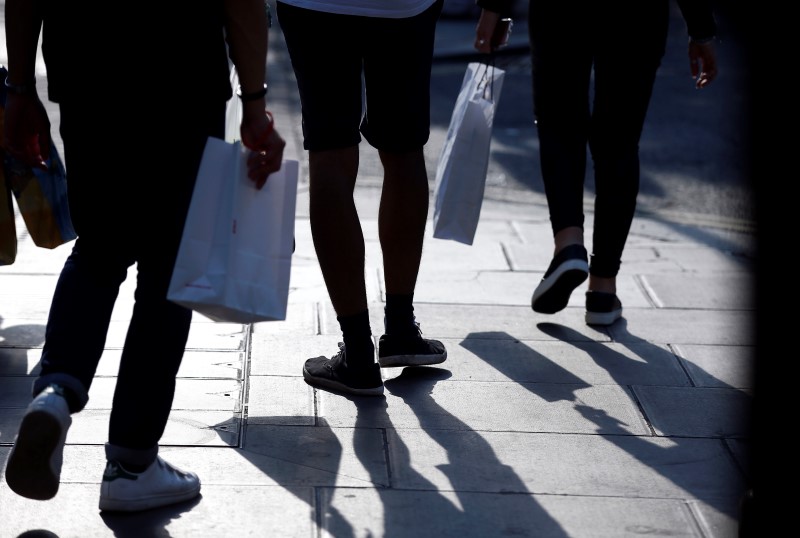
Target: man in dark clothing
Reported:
[(134, 128)]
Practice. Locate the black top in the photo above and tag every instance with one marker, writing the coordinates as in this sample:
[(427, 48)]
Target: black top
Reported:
[(174, 47)]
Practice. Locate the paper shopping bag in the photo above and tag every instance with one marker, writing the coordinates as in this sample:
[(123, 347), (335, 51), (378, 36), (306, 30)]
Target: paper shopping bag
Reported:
[(464, 160), (235, 256)]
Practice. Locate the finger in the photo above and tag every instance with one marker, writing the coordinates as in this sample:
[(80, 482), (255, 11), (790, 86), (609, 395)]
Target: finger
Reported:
[(260, 165), (28, 154), (36, 159)]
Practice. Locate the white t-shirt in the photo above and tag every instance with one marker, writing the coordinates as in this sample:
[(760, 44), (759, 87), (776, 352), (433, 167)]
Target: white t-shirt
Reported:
[(390, 9)]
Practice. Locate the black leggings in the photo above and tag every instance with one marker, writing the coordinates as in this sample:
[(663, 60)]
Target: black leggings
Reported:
[(619, 47)]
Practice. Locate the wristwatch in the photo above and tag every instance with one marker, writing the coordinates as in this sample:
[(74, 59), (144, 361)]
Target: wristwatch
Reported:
[(24, 89), (251, 96)]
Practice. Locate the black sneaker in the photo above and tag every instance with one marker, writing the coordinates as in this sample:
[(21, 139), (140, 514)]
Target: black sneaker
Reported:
[(602, 308), (568, 269), (410, 350), (335, 374)]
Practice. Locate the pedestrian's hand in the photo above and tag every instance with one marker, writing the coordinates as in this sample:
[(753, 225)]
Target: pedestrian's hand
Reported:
[(26, 130), (487, 23), (702, 63), (265, 144)]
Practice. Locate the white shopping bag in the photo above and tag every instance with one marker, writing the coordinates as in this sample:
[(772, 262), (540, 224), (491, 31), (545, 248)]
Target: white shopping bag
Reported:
[(464, 160), (235, 256)]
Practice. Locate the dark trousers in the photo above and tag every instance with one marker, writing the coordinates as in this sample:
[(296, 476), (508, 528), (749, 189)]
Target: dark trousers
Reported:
[(594, 66), (130, 173)]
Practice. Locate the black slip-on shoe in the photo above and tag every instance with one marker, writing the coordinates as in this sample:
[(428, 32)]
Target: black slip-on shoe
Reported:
[(568, 270), (602, 308)]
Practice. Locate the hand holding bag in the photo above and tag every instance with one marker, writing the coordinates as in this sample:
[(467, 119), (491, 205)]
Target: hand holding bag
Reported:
[(464, 160), (235, 256)]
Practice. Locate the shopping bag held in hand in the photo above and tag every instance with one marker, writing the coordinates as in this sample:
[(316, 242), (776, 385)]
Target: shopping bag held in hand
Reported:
[(464, 160), (235, 256), (41, 197)]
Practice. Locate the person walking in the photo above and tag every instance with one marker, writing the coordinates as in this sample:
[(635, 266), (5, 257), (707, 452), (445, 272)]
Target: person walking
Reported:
[(380, 52), (618, 48), (133, 129)]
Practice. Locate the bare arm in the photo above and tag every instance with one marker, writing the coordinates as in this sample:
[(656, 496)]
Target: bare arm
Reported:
[(26, 128), (491, 13), (247, 34), (702, 28)]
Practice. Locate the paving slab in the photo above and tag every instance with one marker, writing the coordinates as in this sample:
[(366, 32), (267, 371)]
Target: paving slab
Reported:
[(696, 412), (625, 466), (457, 514), (718, 366), (484, 406)]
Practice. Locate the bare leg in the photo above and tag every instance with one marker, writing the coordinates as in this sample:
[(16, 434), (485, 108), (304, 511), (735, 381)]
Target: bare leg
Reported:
[(571, 235), (401, 222), (335, 227), (604, 284)]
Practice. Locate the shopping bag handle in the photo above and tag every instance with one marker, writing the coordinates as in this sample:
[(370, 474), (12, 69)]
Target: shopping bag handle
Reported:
[(486, 81)]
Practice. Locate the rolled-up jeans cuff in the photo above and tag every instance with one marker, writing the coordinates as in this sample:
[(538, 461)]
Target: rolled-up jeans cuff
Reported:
[(68, 382), (133, 456)]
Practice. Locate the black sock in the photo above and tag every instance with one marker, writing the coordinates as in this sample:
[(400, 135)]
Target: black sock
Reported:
[(357, 336), (399, 312)]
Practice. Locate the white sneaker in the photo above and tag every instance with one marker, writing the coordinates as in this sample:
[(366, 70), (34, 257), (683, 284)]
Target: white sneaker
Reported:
[(34, 466), (158, 485)]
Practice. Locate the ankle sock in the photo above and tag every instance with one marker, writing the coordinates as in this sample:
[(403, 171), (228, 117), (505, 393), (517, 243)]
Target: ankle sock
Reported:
[(399, 313), (357, 336)]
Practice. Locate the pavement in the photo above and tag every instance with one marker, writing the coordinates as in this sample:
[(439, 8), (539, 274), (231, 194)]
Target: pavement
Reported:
[(536, 425)]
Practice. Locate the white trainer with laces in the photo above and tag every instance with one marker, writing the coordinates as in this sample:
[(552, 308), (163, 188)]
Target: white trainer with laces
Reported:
[(34, 466), (160, 484)]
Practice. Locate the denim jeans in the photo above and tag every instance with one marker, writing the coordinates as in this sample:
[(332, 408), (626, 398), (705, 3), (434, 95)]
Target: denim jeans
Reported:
[(129, 189)]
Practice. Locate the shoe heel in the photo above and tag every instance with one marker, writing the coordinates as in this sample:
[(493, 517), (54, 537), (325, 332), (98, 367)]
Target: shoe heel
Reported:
[(29, 472)]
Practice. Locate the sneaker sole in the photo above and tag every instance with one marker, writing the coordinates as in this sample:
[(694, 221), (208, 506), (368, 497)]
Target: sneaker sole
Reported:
[(603, 318), (411, 360), (340, 387), (552, 294), (28, 472), (147, 503)]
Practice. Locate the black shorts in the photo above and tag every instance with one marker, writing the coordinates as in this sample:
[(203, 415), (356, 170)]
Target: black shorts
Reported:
[(330, 53)]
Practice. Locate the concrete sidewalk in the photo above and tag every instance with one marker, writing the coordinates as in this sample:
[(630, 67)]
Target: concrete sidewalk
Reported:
[(535, 425)]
